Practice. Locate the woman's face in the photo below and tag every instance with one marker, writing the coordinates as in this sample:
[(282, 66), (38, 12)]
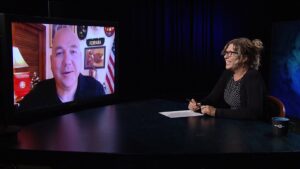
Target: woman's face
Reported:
[(231, 58)]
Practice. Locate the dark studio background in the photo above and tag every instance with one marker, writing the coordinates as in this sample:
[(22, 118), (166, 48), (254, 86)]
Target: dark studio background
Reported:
[(170, 48)]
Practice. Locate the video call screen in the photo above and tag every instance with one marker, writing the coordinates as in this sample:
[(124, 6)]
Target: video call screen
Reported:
[(285, 65), (32, 47)]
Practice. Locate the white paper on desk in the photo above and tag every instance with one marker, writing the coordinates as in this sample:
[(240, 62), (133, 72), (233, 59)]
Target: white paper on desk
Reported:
[(180, 113)]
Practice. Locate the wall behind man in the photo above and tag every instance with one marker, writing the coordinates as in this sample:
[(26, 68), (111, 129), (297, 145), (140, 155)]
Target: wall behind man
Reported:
[(169, 48)]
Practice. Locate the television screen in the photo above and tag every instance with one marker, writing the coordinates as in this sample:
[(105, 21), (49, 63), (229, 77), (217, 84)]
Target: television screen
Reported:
[(60, 62), (285, 65)]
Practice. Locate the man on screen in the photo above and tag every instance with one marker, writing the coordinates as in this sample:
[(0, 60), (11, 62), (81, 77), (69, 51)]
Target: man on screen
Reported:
[(68, 83)]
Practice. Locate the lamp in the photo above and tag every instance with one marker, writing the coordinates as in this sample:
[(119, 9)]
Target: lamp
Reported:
[(21, 79), (19, 62)]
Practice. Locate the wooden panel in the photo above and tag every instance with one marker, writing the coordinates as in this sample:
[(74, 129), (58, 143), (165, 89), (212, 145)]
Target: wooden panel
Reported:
[(30, 39)]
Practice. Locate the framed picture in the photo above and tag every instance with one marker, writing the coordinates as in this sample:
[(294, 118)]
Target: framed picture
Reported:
[(94, 58), (54, 28)]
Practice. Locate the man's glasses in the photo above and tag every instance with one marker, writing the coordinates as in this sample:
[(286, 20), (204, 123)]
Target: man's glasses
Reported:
[(230, 53)]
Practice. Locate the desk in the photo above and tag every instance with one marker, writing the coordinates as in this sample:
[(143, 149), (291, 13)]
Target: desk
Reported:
[(135, 135)]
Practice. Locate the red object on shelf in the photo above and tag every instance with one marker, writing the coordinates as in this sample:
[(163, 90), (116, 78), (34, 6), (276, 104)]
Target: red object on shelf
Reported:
[(22, 84)]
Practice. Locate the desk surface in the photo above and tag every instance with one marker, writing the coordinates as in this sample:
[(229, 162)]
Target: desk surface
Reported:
[(136, 128)]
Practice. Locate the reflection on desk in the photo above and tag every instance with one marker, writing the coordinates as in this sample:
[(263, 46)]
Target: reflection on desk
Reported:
[(136, 135)]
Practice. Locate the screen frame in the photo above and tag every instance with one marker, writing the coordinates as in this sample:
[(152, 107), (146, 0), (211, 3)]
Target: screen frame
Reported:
[(10, 112)]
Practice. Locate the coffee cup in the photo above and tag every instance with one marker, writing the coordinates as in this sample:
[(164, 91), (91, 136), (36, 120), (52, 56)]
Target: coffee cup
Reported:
[(280, 126)]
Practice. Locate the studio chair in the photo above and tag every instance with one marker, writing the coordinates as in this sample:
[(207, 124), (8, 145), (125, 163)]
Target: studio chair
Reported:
[(275, 107)]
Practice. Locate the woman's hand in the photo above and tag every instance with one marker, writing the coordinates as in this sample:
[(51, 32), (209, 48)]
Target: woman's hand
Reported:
[(193, 105), (209, 110)]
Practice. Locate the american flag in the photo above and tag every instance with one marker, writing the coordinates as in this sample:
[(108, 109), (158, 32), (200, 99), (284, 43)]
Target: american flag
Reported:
[(110, 72)]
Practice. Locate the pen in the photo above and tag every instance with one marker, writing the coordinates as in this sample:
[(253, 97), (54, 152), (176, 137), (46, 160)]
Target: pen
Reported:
[(196, 106), (190, 100)]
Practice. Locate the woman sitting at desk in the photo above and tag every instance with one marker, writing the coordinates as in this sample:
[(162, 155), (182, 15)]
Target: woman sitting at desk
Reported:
[(240, 91)]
